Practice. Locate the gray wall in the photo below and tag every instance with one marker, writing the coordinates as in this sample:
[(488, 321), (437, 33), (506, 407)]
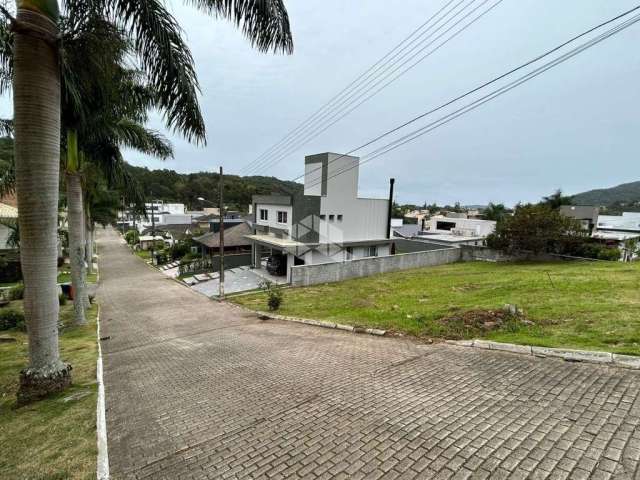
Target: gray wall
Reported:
[(303, 275)]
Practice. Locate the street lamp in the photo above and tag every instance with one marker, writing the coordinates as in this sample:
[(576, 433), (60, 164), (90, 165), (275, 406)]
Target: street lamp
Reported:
[(221, 217)]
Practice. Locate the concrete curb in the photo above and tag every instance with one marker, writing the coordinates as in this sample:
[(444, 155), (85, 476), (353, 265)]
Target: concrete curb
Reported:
[(101, 419), (307, 321), (587, 356)]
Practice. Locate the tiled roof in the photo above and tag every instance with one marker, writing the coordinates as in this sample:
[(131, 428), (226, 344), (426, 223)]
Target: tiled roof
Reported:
[(233, 237)]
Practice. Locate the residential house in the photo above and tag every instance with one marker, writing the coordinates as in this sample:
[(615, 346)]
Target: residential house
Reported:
[(587, 215), (619, 231), (328, 222), (456, 229), (235, 240)]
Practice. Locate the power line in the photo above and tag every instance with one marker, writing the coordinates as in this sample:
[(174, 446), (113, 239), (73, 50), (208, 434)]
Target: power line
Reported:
[(362, 75), (494, 94), (346, 106), (344, 110)]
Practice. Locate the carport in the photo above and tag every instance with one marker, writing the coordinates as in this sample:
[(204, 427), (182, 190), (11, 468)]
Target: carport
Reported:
[(263, 246)]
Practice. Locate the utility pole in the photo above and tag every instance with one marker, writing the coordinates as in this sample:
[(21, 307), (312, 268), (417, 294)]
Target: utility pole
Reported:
[(221, 278), (153, 232), (390, 211)]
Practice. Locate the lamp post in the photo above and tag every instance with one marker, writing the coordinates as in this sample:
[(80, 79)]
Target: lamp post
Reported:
[(221, 249)]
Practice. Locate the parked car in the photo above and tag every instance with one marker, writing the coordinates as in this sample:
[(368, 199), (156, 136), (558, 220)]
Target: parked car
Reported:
[(277, 265)]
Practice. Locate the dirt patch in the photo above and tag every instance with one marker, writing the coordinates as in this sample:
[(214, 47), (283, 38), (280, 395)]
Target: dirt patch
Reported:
[(477, 322)]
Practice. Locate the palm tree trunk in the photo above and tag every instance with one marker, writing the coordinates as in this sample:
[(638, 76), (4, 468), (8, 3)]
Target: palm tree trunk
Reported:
[(36, 103), (76, 245), (88, 245)]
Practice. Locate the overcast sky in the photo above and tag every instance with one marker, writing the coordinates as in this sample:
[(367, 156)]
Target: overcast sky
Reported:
[(575, 127)]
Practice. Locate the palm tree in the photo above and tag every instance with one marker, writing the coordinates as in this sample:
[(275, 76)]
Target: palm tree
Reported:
[(166, 61)]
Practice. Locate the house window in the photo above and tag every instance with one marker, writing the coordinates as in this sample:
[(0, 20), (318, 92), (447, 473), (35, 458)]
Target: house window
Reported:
[(322, 217), (264, 214), (371, 251), (331, 218), (339, 218), (349, 253), (282, 217)]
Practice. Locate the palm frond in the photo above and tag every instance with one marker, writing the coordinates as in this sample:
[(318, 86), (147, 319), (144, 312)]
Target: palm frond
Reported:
[(265, 23), (133, 135), (167, 61), (6, 57)]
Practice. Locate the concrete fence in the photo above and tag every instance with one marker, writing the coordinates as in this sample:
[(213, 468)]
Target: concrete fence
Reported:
[(303, 275)]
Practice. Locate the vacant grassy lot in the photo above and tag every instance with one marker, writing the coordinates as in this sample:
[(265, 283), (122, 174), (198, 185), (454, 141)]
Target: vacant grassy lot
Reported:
[(53, 439), (588, 305)]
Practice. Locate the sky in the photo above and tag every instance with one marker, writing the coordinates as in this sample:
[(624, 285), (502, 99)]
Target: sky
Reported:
[(575, 127)]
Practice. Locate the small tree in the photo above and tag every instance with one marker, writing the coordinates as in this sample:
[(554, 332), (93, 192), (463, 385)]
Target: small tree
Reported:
[(132, 237), (274, 294)]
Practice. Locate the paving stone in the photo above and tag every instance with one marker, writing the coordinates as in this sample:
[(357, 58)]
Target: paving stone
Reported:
[(199, 389)]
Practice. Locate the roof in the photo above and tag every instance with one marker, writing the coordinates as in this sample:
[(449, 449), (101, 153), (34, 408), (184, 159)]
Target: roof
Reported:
[(406, 231), (275, 241), (613, 235), (234, 236), (178, 231), (148, 238), (7, 211)]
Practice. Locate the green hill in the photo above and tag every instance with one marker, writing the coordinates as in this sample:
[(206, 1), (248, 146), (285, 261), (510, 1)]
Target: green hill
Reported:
[(170, 186), (625, 194)]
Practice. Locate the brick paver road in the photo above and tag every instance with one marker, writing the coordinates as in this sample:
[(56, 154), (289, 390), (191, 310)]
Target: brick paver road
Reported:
[(201, 390)]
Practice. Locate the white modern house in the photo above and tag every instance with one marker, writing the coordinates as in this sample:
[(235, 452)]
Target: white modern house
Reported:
[(618, 230), (457, 230), (329, 222)]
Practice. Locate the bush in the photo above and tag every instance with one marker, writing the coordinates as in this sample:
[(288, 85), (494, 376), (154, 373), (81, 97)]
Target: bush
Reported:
[(132, 237), (179, 250), (17, 292), (11, 319), (274, 294)]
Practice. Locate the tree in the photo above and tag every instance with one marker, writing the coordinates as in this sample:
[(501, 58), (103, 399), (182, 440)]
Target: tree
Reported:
[(537, 229), (556, 200), (168, 65), (494, 211)]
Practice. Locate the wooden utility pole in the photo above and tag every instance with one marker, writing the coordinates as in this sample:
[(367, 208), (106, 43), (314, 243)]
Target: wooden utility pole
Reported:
[(221, 278)]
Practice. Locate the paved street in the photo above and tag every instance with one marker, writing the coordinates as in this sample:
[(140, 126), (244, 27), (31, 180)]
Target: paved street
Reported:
[(197, 389)]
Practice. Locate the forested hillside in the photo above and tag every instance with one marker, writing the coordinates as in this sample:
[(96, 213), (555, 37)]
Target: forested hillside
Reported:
[(627, 194), (171, 186)]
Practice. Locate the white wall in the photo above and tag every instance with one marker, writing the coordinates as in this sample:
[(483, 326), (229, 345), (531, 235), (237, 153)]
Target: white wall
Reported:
[(272, 220), (475, 227)]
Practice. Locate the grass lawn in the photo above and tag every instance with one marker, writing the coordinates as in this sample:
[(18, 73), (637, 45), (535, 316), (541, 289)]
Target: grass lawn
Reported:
[(144, 254), (64, 276), (53, 438), (586, 305)]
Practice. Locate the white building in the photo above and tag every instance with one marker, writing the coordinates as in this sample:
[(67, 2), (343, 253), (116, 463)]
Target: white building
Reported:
[(618, 230), (327, 223), (457, 231), (8, 214)]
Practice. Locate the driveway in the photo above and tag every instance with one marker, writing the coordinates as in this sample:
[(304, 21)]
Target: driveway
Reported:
[(197, 389)]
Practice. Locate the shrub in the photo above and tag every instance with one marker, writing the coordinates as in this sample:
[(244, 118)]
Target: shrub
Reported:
[(11, 319), (274, 294), (132, 237), (17, 292)]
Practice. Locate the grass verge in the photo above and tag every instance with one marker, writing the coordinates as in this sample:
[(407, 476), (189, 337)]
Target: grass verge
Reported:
[(585, 305), (54, 438)]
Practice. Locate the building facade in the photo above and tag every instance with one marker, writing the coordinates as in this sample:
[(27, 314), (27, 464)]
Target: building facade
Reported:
[(328, 222)]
